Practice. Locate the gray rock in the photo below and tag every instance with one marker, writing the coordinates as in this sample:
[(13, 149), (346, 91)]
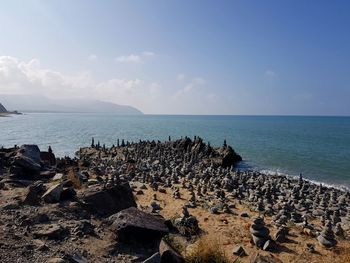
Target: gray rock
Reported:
[(239, 251), (53, 231), (132, 224), (106, 202), (269, 245), (28, 158), (33, 194), (53, 194)]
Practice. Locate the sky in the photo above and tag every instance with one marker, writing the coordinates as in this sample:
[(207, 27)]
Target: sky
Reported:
[(244, 57)]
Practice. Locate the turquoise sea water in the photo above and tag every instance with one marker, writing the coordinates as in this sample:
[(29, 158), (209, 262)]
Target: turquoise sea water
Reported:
[(318, 147)]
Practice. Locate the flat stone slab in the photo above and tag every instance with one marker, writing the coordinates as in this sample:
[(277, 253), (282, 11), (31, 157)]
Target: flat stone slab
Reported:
[(135, 225)]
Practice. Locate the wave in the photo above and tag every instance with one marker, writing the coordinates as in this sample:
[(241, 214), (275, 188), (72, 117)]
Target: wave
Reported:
[(280, 172)]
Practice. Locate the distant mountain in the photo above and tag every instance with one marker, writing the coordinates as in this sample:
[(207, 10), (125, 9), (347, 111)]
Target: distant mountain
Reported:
[(37, 103), (2, 109)]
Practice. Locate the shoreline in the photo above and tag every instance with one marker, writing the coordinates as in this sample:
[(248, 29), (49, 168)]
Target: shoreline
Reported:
[(187, 183)]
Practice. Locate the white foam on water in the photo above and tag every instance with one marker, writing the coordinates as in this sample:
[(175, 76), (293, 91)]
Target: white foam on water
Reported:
[(280, 172)]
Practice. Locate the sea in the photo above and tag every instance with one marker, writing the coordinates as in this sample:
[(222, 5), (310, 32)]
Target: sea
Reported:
[(316, 147)]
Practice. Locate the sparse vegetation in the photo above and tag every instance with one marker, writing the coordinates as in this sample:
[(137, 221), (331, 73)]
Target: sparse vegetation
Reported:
[(207, 250), (175, 244)]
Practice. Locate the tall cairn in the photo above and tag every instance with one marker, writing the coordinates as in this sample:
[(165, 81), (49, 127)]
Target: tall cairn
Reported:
[(326, 237), (260, 233)]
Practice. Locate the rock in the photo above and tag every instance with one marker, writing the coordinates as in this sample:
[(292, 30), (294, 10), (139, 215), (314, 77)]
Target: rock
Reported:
[(28, 158), (310, 248), (56, 260), (53, 194), (155, 207), (47, 174), (33, 194), (54, 231), (139, 192), (84, 227), (92, 181), (48, 158), (58, 176), (244, 214), (76, 258), (239, 251), (155, 258), (106, 202), (269, 245), (68, 194), (135, 225), (168, 254), (281, 234)]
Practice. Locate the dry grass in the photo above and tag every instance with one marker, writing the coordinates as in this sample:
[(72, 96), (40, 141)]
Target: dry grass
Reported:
[(207, 250), (74, 178), (343, 256)]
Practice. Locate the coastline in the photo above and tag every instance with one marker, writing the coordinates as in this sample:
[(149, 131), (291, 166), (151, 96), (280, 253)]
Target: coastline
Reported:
[(163, 179)]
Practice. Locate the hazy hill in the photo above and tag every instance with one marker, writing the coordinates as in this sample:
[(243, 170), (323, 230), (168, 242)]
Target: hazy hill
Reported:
[(35, 103), (2, 109)]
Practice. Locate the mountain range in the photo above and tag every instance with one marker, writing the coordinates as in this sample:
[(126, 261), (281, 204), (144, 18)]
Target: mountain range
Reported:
[(37, 103)]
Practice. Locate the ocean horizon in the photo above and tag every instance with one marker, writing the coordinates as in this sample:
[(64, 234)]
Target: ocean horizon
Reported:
[(316, 146)]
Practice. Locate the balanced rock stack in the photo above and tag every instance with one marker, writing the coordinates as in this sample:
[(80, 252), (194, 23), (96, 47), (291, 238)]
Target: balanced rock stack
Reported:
[(260, 233), (326, 238)]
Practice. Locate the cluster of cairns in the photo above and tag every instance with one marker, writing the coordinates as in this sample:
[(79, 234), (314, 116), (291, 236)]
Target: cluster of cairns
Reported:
[(207, 173), (209, 176)]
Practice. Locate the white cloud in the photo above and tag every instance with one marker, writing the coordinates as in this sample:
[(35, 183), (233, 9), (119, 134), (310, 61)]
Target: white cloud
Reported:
[(132, 58), (31, 77), (190, 86), (135, 58), (92, 57)]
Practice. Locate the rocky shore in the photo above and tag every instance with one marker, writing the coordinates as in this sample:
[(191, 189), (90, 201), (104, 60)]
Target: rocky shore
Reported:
[(170, 201)]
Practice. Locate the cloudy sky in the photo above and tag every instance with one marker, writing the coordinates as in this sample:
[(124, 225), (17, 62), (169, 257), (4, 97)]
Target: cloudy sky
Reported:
[(181, 57)]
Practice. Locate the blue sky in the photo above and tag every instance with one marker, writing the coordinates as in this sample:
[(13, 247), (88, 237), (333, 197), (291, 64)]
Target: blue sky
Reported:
[(181, 57)]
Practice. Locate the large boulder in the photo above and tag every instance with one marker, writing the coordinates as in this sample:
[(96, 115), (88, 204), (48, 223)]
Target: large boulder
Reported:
[(133, 225), (28, 159), (105, 202)]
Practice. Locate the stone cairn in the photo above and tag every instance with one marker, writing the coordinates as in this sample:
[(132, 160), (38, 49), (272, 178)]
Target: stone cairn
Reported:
[(326, 238), (260, 233)]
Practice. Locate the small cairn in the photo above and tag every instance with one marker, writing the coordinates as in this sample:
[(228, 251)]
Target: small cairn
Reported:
[(260, 233), (339, 231), (281, 234), (187, 224), (326, 238)]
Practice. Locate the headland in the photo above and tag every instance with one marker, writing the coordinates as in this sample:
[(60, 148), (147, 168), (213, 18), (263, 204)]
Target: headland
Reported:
[(173, 201)]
